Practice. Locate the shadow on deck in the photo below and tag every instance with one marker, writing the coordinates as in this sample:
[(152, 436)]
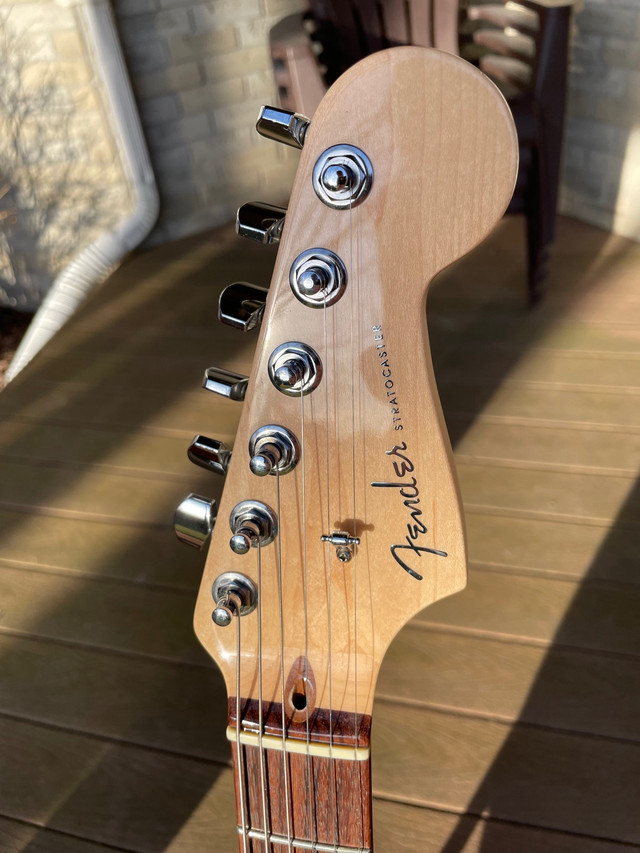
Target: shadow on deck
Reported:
[(507, 717)]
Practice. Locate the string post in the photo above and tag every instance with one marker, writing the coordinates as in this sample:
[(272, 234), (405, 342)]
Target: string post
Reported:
[(253, 524), (228, 607), (342, 176), (234, 595)]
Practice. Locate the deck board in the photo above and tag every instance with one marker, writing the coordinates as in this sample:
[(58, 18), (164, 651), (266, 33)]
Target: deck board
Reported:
[(506, 717)]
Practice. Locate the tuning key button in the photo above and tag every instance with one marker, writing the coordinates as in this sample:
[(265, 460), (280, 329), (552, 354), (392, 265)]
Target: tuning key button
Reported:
[(252, 523), (241, 305), (295, 368), (318, 278), (274, 450), (225, 383), (209, 453), (194, 519), (261, 222), (283, 126)]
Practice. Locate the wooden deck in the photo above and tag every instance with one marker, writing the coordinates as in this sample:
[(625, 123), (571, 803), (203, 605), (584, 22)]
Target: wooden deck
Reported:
[(507, 717)]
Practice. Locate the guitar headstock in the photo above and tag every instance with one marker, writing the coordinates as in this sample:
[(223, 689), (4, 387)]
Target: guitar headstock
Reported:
[(362, 526)]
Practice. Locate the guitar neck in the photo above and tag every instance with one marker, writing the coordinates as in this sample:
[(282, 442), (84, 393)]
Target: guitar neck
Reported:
[(341, 500), (307, 788)]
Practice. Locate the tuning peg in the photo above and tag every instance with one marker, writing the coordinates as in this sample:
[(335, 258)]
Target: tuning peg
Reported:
[(283, 126), (241, 305), (209, 453), (194, 519), (234, 595), (252, 523), (225, 383), (273, 450), (261, 222)]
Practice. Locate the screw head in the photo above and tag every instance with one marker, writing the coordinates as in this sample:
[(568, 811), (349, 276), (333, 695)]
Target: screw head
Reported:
[(343, 553)]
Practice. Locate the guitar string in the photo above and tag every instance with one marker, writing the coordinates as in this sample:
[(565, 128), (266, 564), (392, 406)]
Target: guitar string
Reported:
[(355, 299), (239, 754), (263, 775), (329, 613), (284, 745), (310, 784)]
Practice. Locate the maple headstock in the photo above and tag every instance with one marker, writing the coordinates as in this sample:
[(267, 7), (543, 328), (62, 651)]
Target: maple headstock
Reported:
[(373, 457)]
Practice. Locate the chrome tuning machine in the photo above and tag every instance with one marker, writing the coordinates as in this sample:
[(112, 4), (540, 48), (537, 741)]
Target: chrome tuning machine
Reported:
[(283, 126), (295, 368), (241, 305), (194, 519), (274, 450), (225, 383), (252, 523), (342, 176), (261, 222), (318, 278), (234, 595), (209, 453)]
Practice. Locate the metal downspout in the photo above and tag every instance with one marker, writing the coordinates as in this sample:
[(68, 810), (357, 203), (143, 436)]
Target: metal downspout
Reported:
[(94, 263)]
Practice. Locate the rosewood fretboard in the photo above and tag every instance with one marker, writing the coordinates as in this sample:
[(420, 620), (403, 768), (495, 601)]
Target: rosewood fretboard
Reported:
[(314, 794)]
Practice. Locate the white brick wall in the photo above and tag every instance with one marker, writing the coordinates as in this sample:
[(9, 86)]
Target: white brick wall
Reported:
[(201, 71), (601, 178)]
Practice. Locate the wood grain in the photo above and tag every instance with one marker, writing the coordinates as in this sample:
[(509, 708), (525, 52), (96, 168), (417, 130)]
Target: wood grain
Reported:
[(444, 171), (560, 649)]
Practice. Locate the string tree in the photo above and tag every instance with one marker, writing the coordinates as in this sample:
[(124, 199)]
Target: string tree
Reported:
[(343, 543)]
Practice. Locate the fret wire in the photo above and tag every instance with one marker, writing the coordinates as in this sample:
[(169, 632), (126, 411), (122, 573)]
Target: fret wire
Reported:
[(263, 777), (316, 846), (284, 736)]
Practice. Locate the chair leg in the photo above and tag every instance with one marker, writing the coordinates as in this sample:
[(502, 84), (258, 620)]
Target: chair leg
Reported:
[(541, 217), (538, 259)]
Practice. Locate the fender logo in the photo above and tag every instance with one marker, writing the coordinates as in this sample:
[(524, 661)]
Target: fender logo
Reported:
[(402, 465)]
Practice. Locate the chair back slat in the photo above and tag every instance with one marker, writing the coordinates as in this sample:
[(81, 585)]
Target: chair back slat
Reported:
[(509, 14), (360, 27), (420, 22), (370, 23), (507, 43), (511, 72), (523, 45), (396, 20), (446, 15)]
